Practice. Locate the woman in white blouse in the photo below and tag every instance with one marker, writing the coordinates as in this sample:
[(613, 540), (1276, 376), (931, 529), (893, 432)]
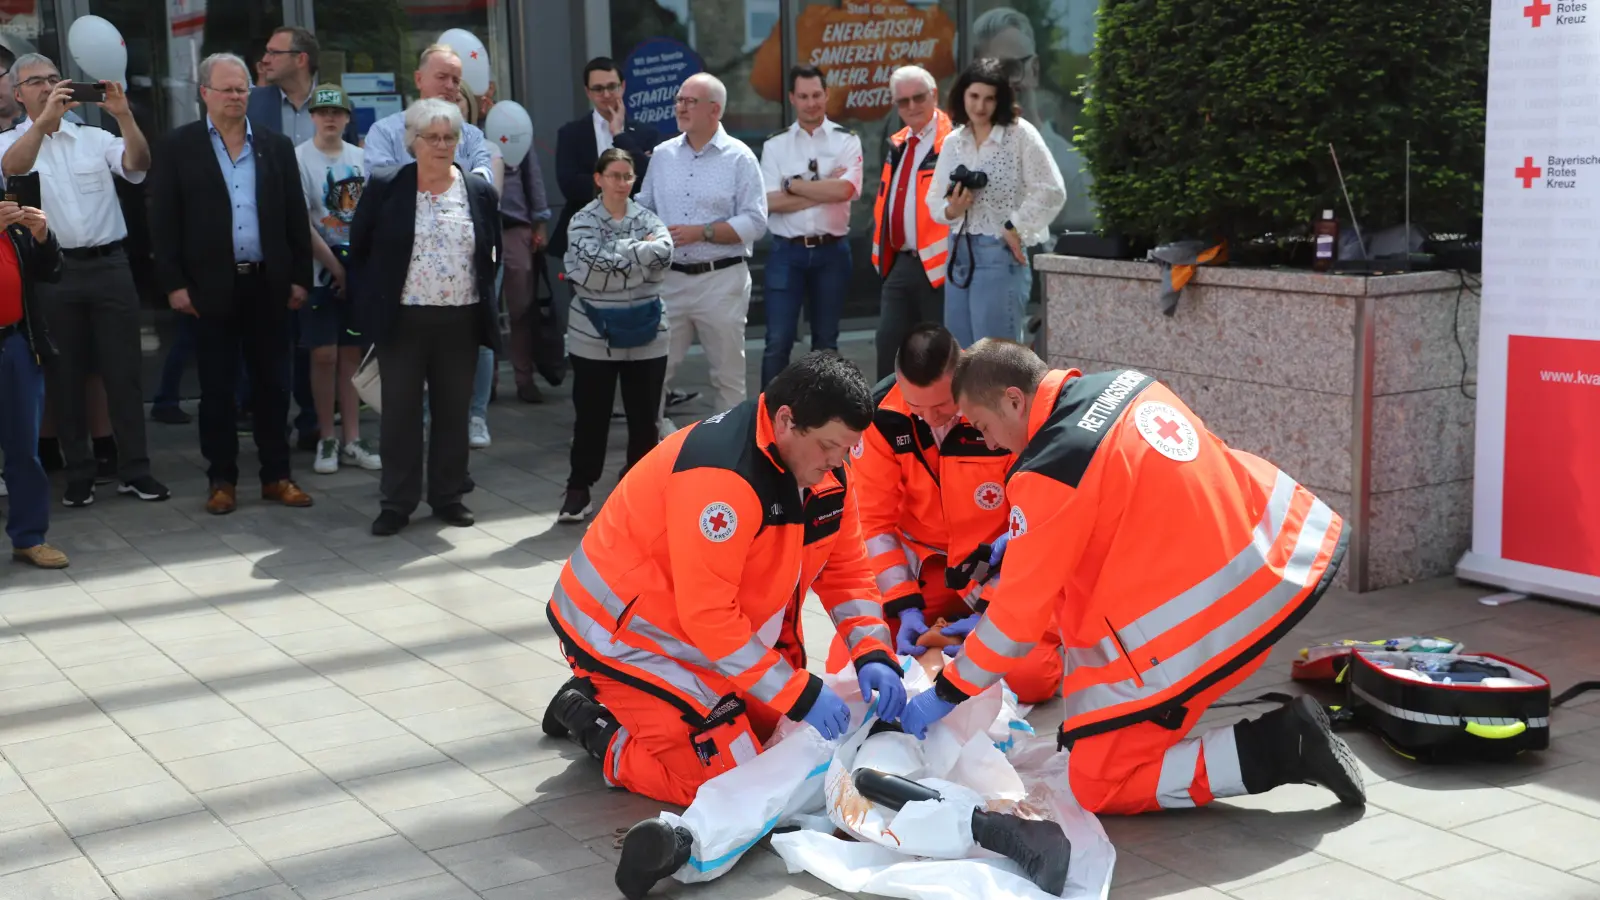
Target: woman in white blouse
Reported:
[(992, 226), (424, 248)]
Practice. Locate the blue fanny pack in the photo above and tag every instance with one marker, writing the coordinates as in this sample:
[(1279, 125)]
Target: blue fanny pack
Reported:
[(626, 327)]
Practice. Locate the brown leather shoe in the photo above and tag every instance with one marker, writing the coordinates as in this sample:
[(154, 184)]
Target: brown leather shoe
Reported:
[(286, 492), (42, 556), (223, 500)]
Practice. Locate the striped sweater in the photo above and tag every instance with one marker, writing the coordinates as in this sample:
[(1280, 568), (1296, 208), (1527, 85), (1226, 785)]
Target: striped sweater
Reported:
[(615, 263)]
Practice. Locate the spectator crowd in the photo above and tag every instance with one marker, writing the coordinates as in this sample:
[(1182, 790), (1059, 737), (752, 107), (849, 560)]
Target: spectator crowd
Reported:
[(300, 258)]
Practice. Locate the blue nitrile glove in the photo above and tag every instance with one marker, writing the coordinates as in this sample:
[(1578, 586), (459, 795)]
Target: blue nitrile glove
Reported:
[(960, 628), (828, 715), (912, 626), (997, 550), (924, 709), (881, 679)]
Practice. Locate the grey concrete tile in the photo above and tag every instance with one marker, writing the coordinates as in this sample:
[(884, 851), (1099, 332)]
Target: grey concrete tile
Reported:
[(295, 623), (1446, 799), (272, 797), (18, 651), (336, 731), (409, 788), (1230, 857), (310, 830), (200, 622), (89, 778), (202, 876), (1556, 837), (395, 617), (492, 752), (232, 666), (392, 754), (511, 667), (1131, 867), (130, 806), (385, 678), (760, 875), (345, 638), (161, 689), (229, 644), (1334, 879), (275, 892), (1576, 787), (36, 845), (549, 779), (74, 879), (463, 820), (200, 740), (122, 671), (301, 706), (216, 770), (342, 871), (529, 697), (600, 813), (70, 749), (453, 646), (21, 809), (1502, 875), (54, 720), (596, 882), (1170, 886), (524, 855), (465, 722), (426, 698), (1396, 847), (157, 717), (29, 673), (265, 684), (434, 887), (37, 697), (153, 843)]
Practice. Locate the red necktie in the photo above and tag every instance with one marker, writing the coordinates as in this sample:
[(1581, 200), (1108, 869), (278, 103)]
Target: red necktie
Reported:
[(897, 216)]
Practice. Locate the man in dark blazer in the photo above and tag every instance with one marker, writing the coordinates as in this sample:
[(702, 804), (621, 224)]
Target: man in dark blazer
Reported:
[(232, 248), (578, 145)]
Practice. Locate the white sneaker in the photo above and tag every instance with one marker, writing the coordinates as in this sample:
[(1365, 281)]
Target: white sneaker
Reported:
[(477, 433), (357, 453), (327, 457), (667, 428)]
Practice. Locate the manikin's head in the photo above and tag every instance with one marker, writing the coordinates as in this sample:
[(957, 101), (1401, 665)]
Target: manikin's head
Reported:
[(923, 367), (819, 407), (994, 382)]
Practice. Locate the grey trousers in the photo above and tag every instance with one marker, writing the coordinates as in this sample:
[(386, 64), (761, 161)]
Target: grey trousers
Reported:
[(435, 346), (93, 314), (906, 300)]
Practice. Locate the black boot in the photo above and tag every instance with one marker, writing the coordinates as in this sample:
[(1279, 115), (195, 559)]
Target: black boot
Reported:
[(1295, 744), (653, 850), (574, 713), (1039, 847)]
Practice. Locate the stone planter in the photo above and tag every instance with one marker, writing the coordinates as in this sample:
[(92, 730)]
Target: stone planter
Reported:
[(1353, 385)]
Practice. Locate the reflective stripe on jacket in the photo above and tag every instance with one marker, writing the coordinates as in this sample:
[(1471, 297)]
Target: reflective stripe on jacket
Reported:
[(919, 498), (933, 239), (1168, 559), (684, 579)]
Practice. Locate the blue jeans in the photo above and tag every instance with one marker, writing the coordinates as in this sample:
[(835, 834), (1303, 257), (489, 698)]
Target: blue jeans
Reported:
[(996, 292), (482, 383), (816, 279), (21, 410), (178, 356)]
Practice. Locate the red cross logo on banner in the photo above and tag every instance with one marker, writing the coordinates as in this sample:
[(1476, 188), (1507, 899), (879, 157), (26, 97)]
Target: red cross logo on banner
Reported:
[(1536, 11), (718, 522), (989, 495), (1528, 172)]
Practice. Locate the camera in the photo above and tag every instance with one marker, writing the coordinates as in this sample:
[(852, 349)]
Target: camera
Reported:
[(972, 181)]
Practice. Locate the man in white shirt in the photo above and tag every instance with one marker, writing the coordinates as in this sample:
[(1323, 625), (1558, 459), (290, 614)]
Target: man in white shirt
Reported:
[(708, 189), (812, 171), (93, 311)]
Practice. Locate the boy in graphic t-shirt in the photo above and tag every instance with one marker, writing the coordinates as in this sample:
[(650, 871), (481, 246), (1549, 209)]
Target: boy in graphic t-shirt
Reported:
[(332, 173)]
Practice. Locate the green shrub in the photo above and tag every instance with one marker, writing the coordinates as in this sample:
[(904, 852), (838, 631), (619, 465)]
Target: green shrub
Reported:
[(1212, 118)]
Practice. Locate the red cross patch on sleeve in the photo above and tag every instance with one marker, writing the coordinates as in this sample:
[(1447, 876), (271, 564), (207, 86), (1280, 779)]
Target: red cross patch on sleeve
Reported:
[(718, 522)]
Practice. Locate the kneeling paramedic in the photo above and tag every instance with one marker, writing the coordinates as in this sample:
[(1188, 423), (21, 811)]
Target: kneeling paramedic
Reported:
[(1171, 564), (933, 491), (680, 610)]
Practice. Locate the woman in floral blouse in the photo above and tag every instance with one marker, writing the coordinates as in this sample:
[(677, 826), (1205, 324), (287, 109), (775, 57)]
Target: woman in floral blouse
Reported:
[(617, 254)]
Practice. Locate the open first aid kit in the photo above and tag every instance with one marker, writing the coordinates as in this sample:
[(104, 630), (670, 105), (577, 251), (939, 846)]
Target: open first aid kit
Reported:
[(984, 757)]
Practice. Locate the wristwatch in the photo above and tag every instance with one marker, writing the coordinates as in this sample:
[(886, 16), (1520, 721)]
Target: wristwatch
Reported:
[(1009, 226), (786, 184), (711, 231)]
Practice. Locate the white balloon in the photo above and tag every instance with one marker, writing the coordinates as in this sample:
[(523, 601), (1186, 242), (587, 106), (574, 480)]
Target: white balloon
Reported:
[(510, 128), (97, 47), (474, 58)]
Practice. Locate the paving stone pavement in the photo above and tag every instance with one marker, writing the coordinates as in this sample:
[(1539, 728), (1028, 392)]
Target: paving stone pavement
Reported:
[(276, 705)]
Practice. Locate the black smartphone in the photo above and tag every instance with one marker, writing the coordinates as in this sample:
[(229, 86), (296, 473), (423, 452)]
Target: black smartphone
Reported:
[(87, 91), (24, 190)]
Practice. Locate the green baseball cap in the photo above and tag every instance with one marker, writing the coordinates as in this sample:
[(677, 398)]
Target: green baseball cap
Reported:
[(329, 96)]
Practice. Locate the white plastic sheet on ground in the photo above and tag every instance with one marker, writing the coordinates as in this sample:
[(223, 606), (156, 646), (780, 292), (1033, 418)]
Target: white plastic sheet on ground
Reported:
[(983, 754)]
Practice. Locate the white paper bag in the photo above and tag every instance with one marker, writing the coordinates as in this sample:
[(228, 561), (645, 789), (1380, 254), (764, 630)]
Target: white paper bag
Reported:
[(367, 381)]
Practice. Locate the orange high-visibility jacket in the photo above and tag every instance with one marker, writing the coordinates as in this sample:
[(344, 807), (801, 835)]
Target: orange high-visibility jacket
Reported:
[(1168, 559), (920, 498), (933, 239), (682, 582)]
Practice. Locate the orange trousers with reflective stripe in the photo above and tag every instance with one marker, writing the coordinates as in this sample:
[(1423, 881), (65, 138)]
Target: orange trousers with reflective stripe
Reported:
[(1119, 772), (1036, 680)]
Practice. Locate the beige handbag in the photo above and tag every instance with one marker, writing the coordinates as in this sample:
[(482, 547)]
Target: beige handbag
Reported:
[(368, 381)]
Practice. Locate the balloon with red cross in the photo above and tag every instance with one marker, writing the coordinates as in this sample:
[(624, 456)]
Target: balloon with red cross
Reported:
[(474, 59), (97, 47), (510, 128)]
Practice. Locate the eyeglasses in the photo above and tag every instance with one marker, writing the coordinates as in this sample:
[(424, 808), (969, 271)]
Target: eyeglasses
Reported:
[(620, 177), (439, 140), (42, 81), (611, 88), (681, 100), (231, 92), (812, 168), (914, 99), (271, 52)]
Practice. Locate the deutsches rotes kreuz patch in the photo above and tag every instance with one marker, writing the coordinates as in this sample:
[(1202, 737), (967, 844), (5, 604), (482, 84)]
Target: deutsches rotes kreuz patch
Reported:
[(1167, 430), (718, 522), (989, 495), (1019, 523), (857, 450)]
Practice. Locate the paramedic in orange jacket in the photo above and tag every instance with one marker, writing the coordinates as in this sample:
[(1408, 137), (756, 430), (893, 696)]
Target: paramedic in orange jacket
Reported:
[(931, 491), (679, 611), (1171, 564)]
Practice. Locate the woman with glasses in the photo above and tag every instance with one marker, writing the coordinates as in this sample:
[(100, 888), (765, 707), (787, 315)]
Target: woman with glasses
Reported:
[(425, 243), (997, 188), (617, 255)]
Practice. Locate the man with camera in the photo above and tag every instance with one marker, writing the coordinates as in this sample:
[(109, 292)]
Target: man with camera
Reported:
[(29, 255), (94, 309)]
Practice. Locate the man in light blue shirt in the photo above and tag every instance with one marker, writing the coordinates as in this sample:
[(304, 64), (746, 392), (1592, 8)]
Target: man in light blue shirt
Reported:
[(438, 77), (240, 177)]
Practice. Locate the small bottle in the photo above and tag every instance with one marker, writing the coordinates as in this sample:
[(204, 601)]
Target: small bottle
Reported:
[(1325, 234)]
